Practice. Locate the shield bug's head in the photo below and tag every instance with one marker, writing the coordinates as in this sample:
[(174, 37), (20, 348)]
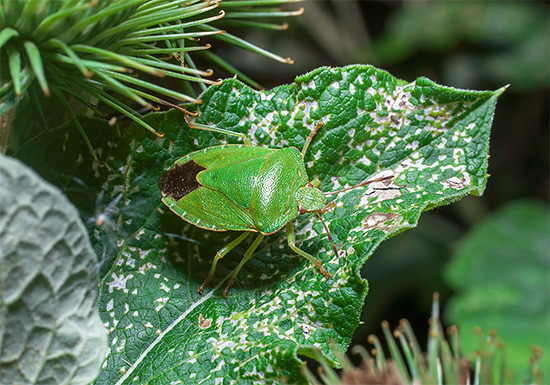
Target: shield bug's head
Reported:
[(310, 199), (180, 180)]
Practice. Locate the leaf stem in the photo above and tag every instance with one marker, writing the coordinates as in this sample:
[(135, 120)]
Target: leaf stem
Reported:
[(6, 120)]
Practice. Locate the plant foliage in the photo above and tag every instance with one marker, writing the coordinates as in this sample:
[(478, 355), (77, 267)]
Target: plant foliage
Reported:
[(500, 271), (432, 141), (99, 51)]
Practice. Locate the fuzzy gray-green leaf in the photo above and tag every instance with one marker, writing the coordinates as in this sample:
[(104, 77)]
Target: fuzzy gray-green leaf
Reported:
[(430, 141), (50, 330)]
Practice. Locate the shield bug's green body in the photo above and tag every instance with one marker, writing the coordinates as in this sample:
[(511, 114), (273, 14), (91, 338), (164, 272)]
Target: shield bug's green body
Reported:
[(240, 188), (243, 188)]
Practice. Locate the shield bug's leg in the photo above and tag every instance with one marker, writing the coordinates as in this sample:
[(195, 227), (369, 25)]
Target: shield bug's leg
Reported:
[(292, 243), (219, 255), (198, 126), (310, 137), (246, 257)]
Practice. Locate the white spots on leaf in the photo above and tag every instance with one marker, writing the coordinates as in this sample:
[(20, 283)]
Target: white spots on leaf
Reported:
[(382, 221), (164, 287), (372, 91), (131, 262), (335, 183), (139, 233), (118, 282), (162, 302), (317, 155), (456, 183), (364, 160), (306, 329), (110, 305), (146, 267), (409, 163), (143, 253), (412, 146), (121, 347), (219, 367), (306, 231)]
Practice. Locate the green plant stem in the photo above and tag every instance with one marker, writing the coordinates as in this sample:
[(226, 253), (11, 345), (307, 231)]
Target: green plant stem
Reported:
[(6, 120)]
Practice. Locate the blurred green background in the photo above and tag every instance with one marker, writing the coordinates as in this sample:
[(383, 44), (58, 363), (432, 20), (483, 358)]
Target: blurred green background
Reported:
[(464, 44)]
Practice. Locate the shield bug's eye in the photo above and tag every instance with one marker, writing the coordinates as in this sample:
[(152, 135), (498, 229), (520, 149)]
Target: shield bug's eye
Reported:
[(180, 180)]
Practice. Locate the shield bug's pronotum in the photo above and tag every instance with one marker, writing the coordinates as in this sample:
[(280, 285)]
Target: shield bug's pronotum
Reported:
[(240, 187)]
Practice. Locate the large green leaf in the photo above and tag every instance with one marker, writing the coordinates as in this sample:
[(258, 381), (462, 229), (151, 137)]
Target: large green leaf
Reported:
[(432, 140), (500, 272), (50, 330)]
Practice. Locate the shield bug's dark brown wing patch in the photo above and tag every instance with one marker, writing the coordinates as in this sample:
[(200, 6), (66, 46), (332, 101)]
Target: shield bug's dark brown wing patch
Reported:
[(180, 180)]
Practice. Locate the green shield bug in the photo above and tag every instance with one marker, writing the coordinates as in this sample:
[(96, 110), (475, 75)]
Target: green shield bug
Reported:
[(245, 188)]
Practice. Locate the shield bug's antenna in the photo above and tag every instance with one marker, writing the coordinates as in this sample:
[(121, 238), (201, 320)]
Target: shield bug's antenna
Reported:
[(334, 249), (360, 185)]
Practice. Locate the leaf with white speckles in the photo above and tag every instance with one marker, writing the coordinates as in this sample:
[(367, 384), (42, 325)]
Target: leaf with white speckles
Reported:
[(431, 140), (50, 330)]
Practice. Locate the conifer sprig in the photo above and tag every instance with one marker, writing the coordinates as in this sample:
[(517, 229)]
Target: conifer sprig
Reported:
[(99, 50)]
